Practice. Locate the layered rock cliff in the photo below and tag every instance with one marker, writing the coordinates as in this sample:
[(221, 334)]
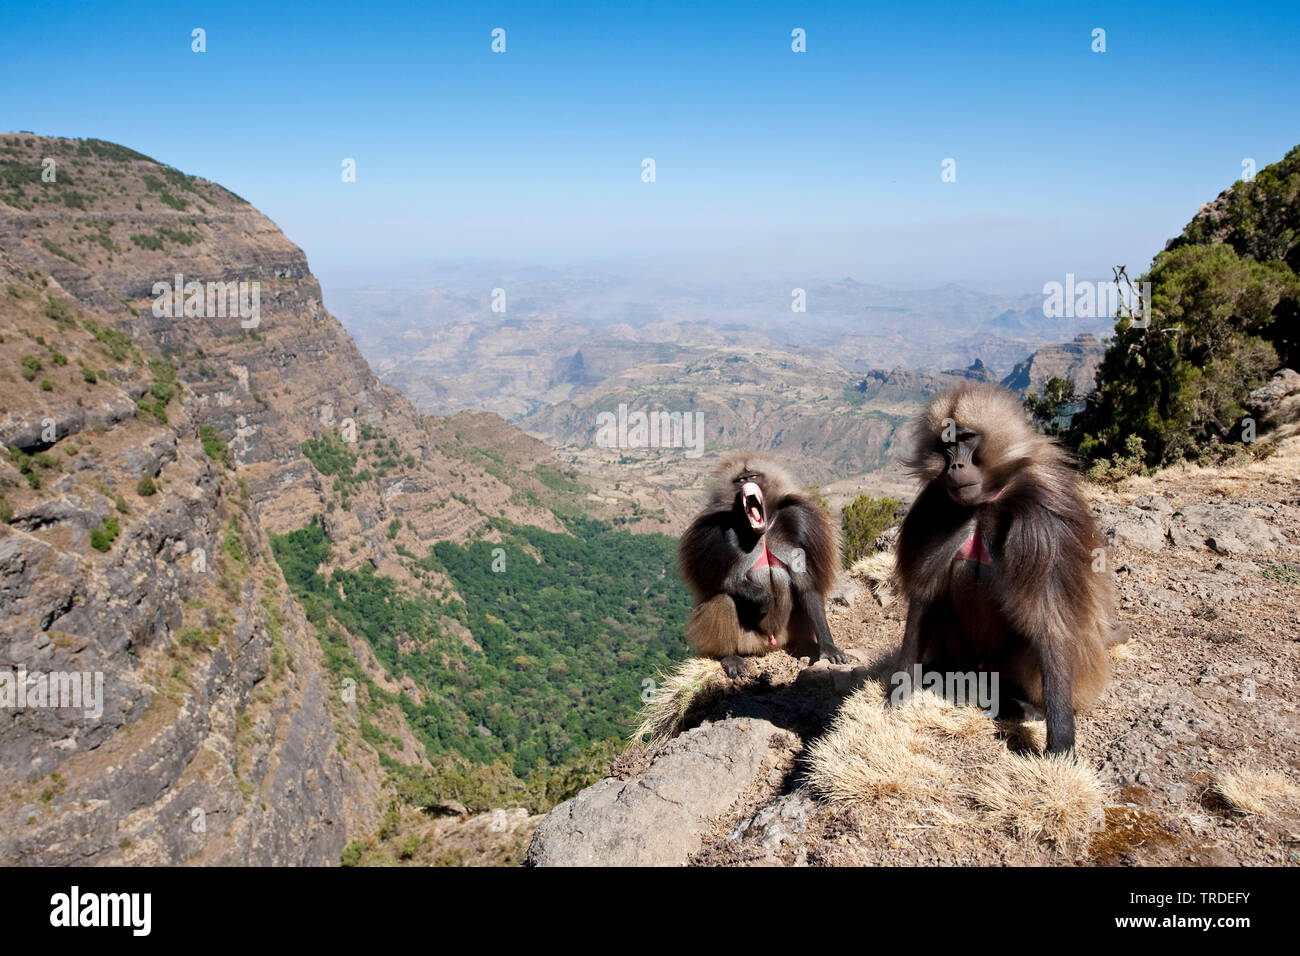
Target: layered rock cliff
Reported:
[(152, 449)]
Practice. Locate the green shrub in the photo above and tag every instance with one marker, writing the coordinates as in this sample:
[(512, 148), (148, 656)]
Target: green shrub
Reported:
[(233, 543), (115, 343), (31, 365), (214, 446), (862, 522), (330, 456), (195, 638), (352, 853), (145, 487), (179, 235), (59, 312), (102, 538), (164, 384), (153, 408), (1117, 467)]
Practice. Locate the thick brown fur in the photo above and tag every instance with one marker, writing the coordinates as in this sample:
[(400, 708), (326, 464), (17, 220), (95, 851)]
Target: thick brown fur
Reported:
[(742, 610), (1037, 606)]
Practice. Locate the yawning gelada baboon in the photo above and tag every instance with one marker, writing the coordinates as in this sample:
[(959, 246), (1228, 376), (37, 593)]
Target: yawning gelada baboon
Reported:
[(760, 559)]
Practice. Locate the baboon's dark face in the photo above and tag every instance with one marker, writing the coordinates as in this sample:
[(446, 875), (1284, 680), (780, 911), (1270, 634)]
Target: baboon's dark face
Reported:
[(961, 475), (750, 499)]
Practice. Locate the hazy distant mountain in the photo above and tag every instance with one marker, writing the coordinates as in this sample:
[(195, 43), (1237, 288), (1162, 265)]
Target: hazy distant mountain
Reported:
[(445, 346)]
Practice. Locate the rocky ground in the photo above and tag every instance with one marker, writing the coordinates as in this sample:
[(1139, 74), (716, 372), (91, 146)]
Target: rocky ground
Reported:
[(1205, 566)]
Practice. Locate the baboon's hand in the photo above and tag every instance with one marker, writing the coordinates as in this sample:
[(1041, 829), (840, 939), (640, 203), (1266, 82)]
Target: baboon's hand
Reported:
[(735, 666), (833, 654)]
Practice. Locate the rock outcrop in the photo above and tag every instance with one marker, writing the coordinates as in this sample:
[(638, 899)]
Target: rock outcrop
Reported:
[(1077, 361), (658, 817)]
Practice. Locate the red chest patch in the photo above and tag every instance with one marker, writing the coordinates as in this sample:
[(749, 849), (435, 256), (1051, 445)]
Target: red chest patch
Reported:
[(972, 549), (767, 559)]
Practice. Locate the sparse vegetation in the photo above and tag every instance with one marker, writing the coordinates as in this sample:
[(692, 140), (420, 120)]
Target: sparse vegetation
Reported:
[(102, 538), (214, 446), (195, 638), (862, 521), (52, 246)]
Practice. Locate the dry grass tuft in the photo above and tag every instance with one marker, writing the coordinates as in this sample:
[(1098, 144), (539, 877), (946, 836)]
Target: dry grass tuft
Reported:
[(1255, 792), (1055, 798), (876, 571), (954, 762), (694, 681), (1122, 652), (871, 751)]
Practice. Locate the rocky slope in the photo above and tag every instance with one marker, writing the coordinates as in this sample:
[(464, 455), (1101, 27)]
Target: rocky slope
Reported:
[(151, 456), (1188, 759), (1076, 361)]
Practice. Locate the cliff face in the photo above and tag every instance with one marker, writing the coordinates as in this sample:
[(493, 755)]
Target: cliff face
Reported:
[(1076, 361), (151, 454)]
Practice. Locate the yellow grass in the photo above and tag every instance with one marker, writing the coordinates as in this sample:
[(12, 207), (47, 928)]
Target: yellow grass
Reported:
[(949, 763), (1255, 792), (662, 715), (1052, 797), (876, 572)]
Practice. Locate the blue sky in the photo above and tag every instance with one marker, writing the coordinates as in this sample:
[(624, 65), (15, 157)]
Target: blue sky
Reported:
[(769, 163)]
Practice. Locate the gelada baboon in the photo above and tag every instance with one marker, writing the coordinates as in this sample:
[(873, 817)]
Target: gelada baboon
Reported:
[(1001, 561), (760, 560)]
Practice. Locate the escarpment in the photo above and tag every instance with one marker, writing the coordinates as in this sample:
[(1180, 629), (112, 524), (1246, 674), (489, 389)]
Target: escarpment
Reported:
[(153, 448)]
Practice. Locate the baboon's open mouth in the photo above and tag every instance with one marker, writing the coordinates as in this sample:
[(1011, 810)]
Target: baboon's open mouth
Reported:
[(751, 499)]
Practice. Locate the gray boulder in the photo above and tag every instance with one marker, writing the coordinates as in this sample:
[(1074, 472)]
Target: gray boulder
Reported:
[(1224, 528), (1132, 526), (657, 818)]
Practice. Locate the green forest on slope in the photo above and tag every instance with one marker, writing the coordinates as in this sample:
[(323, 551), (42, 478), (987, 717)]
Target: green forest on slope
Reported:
[(567, 626), (1225, 314)]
